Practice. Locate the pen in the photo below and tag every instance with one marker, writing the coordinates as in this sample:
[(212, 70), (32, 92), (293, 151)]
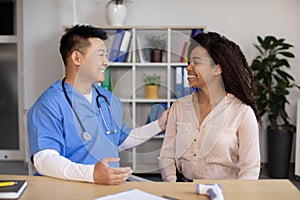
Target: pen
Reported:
[(170, 198), (7, 183)]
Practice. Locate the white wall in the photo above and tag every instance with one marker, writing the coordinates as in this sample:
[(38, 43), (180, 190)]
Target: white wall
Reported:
[(239, 20)]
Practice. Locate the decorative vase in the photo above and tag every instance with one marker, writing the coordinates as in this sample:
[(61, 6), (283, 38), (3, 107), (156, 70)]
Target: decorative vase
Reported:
[(156, 55), (151, 92), (116, 14)]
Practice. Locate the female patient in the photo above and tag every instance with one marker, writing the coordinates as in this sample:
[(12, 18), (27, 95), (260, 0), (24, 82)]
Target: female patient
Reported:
[(213, 133)]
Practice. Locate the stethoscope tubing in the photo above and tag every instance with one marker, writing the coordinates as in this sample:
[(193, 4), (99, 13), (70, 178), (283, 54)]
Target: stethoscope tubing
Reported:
[(70, 103), (85, 134)]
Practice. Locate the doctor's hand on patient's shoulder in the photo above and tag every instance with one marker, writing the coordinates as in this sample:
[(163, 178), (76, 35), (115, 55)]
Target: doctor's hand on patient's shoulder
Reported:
[(162, 121), (103, 174)]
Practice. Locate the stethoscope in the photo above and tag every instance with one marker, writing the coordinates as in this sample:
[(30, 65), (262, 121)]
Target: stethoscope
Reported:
[(85, 134)]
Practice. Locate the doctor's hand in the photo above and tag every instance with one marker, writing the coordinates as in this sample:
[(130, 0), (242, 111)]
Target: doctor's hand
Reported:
[(103, 174), (162, 121)]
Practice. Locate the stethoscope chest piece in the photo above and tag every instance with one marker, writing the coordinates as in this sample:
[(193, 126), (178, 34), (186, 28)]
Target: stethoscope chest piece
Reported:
[(86, 136)]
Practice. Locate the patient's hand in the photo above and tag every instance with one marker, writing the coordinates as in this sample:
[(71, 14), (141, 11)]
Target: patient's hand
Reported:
[(162, 121)]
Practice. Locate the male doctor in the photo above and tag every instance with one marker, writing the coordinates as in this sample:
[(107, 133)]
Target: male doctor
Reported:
[(75, 127)]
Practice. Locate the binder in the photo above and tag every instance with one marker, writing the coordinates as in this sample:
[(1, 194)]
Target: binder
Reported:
[(140, 50), (115, 48), (155, 112), (124, 47), (178, 82), (195, 32), (107, 82), (186, 88)]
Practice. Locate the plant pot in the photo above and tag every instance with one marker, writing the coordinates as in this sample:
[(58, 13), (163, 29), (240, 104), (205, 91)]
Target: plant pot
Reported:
[(151, 92), (156, 55), (279, 152), (116, 14)]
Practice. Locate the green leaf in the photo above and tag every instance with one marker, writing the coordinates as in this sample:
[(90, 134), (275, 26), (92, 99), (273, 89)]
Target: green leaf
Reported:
[(260, 40), (285, 75), (287, 54), (259, 49)]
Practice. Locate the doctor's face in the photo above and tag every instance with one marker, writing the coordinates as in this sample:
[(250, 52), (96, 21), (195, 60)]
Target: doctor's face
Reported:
[(95, 61)]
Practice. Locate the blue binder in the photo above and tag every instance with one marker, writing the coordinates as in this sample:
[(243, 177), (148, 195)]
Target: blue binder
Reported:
[(115, 48), (155, 112), (195, 32), (124, 47)]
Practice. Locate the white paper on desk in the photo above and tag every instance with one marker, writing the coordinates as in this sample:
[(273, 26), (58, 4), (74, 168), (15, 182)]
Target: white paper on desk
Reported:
[(134, 194)]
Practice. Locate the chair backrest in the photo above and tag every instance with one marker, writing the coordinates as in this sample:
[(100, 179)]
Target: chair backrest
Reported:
[(31, 169)]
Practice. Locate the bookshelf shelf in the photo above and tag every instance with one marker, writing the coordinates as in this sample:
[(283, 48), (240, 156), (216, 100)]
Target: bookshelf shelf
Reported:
[(129, 85)]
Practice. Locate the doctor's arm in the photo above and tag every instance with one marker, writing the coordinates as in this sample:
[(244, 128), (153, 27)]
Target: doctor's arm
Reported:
[(142, 134), (48, 162)]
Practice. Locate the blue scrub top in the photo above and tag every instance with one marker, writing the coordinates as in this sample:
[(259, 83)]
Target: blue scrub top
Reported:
[(52, 124)]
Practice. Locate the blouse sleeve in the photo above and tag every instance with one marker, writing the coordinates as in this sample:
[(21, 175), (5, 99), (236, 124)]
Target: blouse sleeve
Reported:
[(167, 153), (249, 152)]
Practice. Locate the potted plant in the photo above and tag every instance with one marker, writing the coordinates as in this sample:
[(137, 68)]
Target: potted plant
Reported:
[(157, 44), (273, 83), (152, 82)]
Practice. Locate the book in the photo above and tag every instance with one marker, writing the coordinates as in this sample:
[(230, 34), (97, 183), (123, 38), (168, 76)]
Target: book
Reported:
[(12, 191), (123, 53), (183, 57), (115, 47)]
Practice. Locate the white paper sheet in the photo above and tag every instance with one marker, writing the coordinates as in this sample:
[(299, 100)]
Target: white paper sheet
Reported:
[(134, 194)]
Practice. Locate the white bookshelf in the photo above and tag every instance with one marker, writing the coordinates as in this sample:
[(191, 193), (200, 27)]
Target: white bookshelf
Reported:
[(130, 87)]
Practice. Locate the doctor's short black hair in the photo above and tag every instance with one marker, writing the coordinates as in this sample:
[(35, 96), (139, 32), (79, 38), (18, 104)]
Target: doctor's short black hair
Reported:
[(76, 38)]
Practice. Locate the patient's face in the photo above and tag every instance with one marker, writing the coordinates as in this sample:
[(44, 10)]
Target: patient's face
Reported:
[(200, 68)]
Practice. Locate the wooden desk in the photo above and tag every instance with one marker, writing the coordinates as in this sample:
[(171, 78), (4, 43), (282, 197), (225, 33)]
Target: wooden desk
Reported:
[(51, 188)]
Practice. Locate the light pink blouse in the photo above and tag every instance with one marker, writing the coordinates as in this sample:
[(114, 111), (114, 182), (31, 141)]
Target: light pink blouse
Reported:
[(225, 146)]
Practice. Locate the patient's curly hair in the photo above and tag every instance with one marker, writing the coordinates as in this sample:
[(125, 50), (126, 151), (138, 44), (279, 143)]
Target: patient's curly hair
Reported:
[(236, 73)]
